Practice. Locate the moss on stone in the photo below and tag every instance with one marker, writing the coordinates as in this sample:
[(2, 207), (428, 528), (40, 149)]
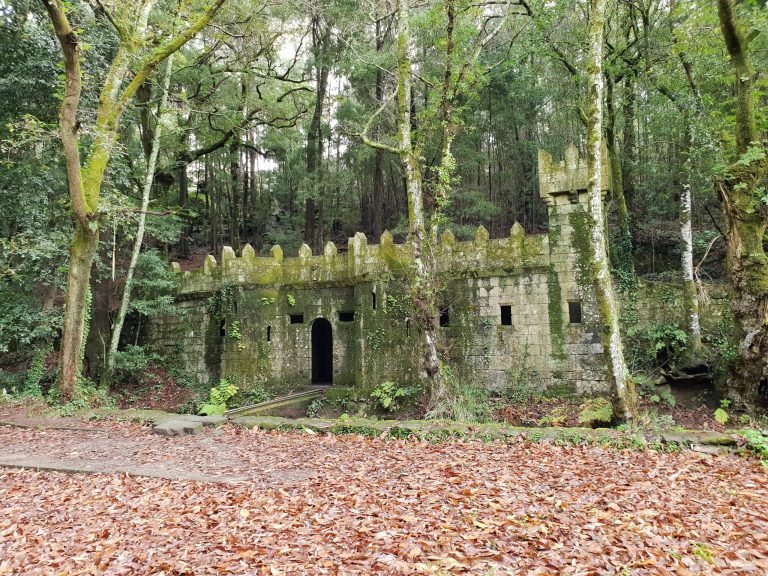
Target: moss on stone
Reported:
[(556, 315)]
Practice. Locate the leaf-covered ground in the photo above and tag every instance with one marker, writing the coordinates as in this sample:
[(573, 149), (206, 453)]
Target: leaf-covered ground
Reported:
[(310, 504)]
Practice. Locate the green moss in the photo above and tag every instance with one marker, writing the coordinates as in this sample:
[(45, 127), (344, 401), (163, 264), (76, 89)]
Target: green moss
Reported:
[(556, 316), (554, 228), (581, 242)]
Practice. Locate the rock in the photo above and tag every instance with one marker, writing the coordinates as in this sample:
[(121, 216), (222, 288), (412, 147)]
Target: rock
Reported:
[(208, 421), (178, 428), (701, 438)]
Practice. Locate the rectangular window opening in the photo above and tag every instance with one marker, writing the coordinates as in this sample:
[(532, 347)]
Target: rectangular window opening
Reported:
[(297, 318), (574, 312), (222, 329), (346, 316), (445, 316), (506, 315), (407, 327), (373, 300), (269, 333)]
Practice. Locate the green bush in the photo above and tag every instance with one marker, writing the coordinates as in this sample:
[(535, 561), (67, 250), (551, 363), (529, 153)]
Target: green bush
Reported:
[(218, 399), (391, 396), (596, 411)]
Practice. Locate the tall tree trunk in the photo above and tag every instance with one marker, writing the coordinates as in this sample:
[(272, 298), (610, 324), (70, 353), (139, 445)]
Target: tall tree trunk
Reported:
[(623, 393), (690, 292), (117, 328), (313, 214), (422, 288), (746, 219), (622, 248), (236, 177)]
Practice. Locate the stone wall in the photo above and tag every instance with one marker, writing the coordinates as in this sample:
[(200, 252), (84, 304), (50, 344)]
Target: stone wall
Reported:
[(512, 308)]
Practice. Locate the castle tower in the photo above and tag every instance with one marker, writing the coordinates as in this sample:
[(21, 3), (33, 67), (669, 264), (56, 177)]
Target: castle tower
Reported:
[(578, 360)]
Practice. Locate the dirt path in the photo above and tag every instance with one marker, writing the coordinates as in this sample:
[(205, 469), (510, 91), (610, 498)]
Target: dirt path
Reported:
[(254, 502)]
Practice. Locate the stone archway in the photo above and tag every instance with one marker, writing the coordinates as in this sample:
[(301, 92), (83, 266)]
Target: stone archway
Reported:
[(322, 352)]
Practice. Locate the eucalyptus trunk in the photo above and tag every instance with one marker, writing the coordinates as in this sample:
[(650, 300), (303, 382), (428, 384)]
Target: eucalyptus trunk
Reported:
[(422, 284), (125, 301), (607, 302)]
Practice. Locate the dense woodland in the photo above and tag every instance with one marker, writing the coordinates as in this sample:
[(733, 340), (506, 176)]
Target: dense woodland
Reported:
[(167, 130)]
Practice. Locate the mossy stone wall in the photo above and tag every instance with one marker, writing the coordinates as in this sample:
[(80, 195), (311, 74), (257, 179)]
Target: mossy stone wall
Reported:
[(363, 294)]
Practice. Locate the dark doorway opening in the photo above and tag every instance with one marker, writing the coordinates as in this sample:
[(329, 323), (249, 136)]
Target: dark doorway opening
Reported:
[(322, 352)]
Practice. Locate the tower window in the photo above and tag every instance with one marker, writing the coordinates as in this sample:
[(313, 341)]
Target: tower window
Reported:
[(373, 300), (297, 318), (445, 318), (408, 327), (269, 333), (574, 312), (506, 315), (346, 316), (222, 329)]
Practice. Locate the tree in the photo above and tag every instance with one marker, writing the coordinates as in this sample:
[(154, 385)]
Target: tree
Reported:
[(607, 301), (465, 32), (86, 175), (743, 200)]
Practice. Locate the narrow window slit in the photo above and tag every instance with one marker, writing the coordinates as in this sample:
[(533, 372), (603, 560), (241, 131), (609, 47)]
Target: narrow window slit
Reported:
[(445, 317), (574, 312), (373, 299), (269, 333)]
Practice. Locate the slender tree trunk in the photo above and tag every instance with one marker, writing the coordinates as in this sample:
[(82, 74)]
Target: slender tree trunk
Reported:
[(624, 399), (690, 293), (422, 289), (117, 328), (313, 223), (622, 249), (236, 177)]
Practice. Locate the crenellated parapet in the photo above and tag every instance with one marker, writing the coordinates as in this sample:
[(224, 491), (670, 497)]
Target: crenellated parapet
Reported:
[(477, 258), (567, 181)]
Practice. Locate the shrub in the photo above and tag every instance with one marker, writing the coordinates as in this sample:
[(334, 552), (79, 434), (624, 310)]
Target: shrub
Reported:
[(219, 396), (596, 411)]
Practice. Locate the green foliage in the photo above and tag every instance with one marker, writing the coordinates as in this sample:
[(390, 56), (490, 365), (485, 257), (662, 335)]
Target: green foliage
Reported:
[(647, 389), (702, 551), (757, 442), (596, 411), (291, 300), (392, 397), (222, 303), (662, 343), (133, 359), (219, 398), (721, 414), (314, 407), (520, 379), (254, 395), (234, 330), (463, 400), (86, 395), (153, 286)]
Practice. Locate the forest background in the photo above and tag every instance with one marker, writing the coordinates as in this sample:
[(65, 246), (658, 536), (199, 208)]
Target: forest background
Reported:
[(283, 123)]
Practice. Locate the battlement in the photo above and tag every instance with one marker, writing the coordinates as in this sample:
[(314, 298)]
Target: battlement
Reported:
[(480, 257)]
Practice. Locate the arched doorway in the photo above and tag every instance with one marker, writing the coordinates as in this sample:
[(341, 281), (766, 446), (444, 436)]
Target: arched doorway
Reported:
[(322, 352)]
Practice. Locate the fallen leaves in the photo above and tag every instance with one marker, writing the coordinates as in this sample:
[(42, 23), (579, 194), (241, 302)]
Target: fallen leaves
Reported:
[(348, 505)]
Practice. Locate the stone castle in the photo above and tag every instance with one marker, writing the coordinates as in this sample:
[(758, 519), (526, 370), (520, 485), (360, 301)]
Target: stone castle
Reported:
[(510, 308)]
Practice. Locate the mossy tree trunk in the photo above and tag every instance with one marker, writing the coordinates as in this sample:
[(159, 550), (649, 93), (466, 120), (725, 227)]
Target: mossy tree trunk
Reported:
[(623, 391), (741, 195), (84, 179)]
